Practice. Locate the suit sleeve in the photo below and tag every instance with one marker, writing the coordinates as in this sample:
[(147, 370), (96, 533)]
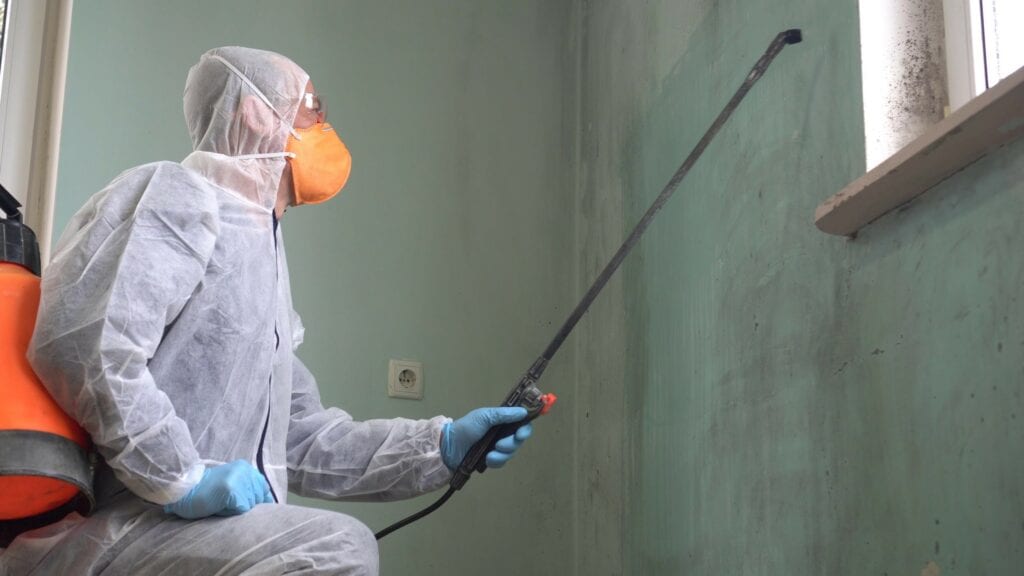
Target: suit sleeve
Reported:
[(334, 457), (126, 267)]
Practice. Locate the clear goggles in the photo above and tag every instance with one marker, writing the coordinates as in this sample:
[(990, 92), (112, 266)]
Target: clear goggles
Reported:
[(312, 105)]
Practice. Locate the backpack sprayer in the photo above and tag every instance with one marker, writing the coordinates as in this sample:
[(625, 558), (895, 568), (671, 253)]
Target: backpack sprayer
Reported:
[(525, 393), (45, 466)]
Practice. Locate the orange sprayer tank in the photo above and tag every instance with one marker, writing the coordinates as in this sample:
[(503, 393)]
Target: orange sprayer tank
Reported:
[(45, 470)]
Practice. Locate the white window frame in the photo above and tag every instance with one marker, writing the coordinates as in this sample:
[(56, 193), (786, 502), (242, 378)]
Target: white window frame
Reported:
[(969, 27), (965, 60), (912, 140), (31, 103)]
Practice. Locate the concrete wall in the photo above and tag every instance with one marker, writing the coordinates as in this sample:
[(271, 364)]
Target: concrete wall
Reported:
[(764, 398), (452, 243)]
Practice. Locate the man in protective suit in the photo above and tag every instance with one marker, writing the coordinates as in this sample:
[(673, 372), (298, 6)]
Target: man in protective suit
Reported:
[(166, 329)]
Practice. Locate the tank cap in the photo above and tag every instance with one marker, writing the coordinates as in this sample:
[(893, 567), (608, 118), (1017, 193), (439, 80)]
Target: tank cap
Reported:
[(18, 243)]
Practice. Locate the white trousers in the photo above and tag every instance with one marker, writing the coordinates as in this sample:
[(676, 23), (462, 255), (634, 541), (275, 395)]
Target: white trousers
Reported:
[(128, 536)]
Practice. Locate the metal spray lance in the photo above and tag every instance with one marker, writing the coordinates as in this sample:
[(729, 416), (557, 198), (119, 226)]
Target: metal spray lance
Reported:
[(525, 393)]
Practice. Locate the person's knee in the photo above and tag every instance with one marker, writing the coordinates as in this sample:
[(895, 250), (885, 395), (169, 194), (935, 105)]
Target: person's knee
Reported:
[(307, 541), (355, 545)]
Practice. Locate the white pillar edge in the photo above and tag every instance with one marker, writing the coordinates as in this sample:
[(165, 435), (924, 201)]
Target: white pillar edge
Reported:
[(49, 116), (903, 71)]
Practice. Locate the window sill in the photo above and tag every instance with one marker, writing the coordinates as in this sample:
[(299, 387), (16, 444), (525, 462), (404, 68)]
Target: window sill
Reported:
[(987, 122)]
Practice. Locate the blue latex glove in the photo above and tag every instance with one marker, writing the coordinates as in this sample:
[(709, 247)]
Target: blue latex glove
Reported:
[(459, 436), (225, 490)]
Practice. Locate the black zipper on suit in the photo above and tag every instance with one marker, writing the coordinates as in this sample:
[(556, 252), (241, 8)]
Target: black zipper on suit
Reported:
[(270, 379)]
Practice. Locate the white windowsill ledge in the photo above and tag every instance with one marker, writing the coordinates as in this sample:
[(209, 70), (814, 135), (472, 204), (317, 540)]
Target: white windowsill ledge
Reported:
[(993, 119)]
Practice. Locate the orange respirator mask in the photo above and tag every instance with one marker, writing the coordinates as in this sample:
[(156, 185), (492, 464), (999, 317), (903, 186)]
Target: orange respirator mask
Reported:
[(320, 163)]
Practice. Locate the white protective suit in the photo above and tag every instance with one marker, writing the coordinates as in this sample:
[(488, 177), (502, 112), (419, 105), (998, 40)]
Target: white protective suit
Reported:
[(166, 329)]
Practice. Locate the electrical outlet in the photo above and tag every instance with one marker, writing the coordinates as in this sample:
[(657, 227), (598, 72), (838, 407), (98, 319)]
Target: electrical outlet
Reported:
[(405, 379)]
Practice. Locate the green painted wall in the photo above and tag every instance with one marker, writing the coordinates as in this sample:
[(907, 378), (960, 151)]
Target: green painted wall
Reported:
[(766, 399), (748, 396), (451, 245)]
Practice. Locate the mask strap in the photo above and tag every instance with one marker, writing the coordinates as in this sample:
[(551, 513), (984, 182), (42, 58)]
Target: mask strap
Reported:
[(265, 155), (255, 90)]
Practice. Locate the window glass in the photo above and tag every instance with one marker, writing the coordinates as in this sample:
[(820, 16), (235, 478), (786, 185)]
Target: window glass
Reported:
[(1003, 43)]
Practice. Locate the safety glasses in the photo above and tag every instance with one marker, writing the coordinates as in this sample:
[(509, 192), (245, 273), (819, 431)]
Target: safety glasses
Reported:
[(313, 104)]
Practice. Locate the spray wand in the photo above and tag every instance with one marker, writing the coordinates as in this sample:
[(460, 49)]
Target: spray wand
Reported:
[(525, 393)]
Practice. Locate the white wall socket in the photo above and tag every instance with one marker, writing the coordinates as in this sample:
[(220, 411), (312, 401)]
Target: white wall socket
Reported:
[(405, 379)]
